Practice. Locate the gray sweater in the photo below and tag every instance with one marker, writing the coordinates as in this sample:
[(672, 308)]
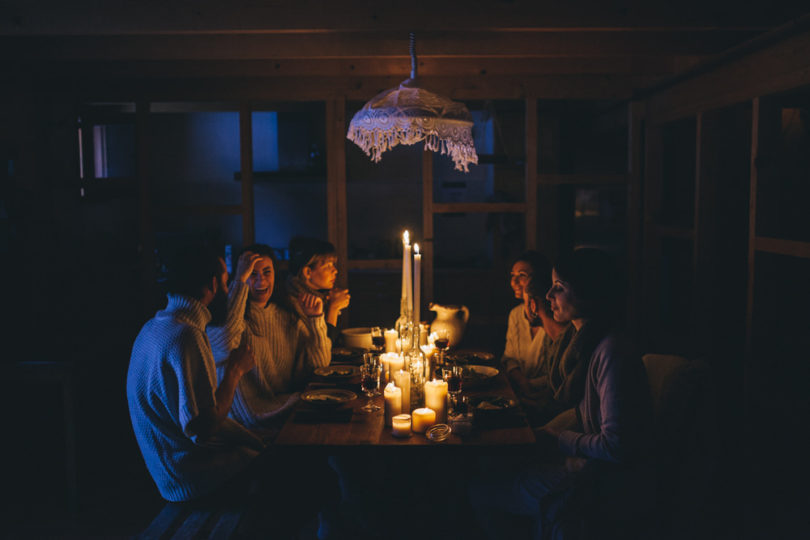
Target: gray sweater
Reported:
[(616, 410)]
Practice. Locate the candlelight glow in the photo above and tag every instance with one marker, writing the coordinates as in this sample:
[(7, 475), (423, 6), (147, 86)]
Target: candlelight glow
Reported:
[(415, 249), (406, 238)]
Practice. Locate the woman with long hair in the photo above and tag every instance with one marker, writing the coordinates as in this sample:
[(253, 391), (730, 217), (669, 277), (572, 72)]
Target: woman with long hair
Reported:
[(288, 338), (609, 430)]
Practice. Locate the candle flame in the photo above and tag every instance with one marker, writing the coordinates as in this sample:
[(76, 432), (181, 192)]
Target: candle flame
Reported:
[(416, 249), (406, 238)]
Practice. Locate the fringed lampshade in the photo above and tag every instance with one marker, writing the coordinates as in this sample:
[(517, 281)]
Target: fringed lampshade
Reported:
[(407, 115)]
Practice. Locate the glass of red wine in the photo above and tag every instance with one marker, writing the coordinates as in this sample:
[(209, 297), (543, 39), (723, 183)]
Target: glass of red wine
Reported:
[(377, 339), (442, 343), (370, 382)]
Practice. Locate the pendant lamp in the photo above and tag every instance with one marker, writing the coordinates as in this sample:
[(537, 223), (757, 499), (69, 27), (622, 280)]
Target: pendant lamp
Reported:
[(409, 114)]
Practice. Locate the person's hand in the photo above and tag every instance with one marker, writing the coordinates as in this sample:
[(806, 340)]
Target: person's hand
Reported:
[(339, 299), (547, 442), (241, 359), (311, 305), (244, 267)]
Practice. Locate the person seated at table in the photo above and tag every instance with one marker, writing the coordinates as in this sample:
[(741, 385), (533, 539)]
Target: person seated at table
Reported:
[(557, 381), (528, 347), (288, 339), (610, 431), (178, 412), (313, 271)]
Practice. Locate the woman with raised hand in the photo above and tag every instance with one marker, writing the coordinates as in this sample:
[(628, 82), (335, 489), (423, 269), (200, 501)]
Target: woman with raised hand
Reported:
[(288, 339), (609, 431)]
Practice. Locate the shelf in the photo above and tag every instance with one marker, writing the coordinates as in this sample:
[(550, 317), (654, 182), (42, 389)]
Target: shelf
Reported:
[(461, 208), (374, 264), (284, 177), (674, 232), (792, 248), (199, 210), (582, 179)]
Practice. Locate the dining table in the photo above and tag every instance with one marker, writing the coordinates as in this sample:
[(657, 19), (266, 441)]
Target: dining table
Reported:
[(352, 427)]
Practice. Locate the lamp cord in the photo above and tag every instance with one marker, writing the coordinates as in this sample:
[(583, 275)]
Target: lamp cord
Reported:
[(412, 49)]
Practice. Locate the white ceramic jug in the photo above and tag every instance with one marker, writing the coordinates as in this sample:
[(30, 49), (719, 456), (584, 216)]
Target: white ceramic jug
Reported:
[(451, 317)]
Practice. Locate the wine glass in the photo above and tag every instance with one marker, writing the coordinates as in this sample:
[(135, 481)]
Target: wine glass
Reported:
[(370, 382), (377, 339), (442, 342), (453, 376)]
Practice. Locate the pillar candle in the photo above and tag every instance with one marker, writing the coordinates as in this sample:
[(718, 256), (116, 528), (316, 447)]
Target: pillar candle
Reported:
[(402, 379), (386, 358), (393, 402), (395, 363), (436, 398), (390, 341), (417, 282), (422, 419), (401, 424)]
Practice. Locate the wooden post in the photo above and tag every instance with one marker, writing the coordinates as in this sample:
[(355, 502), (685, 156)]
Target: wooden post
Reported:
[(635, 113), (749, 367), (531, 173), (427, 227), (651, 253), (246, 154), (146, 236), (336, 184)]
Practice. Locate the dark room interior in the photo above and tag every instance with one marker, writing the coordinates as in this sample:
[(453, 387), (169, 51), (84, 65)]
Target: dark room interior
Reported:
[(674, 136)]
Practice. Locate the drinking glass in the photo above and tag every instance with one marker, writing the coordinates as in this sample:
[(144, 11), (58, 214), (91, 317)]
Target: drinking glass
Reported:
[(377, 339), (370, 383), (452, 376), (442, 343)]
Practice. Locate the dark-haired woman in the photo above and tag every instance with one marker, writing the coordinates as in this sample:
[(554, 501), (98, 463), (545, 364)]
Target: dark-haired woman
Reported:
[(313, 271), (288, 339), (611, 418)]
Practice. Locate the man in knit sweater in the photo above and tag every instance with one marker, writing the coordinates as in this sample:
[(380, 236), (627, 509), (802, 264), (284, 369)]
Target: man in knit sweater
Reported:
[(178, 412)]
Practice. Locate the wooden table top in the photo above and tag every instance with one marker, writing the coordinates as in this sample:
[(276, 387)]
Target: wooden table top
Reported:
[(367, 429)]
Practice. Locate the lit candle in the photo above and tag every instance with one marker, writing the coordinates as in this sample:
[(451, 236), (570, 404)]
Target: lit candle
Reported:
[(393, 402), (436, 398), (390, 340), (386, 359), (423, 419), (402, 425), (407, 279), (402, 379), (395, 363), (417, 281)]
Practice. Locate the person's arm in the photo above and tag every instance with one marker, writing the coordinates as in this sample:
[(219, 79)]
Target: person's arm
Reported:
[(315, 346), (610, 443), (337, 301), (209, 419), (226, 338)]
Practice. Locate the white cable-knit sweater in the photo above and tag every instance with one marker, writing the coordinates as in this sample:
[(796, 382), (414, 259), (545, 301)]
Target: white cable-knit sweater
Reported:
[(172, 378), (287, 347), (522, 350)]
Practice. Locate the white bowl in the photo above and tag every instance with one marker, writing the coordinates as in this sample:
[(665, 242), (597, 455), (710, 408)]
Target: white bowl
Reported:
[(357, 337)]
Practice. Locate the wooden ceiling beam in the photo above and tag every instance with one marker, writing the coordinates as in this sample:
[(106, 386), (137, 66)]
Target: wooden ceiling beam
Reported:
[(352, 88), (363, 67), (518, 44), (57, 17)]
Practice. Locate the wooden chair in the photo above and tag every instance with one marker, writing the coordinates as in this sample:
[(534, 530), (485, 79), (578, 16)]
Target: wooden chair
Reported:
[(685, 427)]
